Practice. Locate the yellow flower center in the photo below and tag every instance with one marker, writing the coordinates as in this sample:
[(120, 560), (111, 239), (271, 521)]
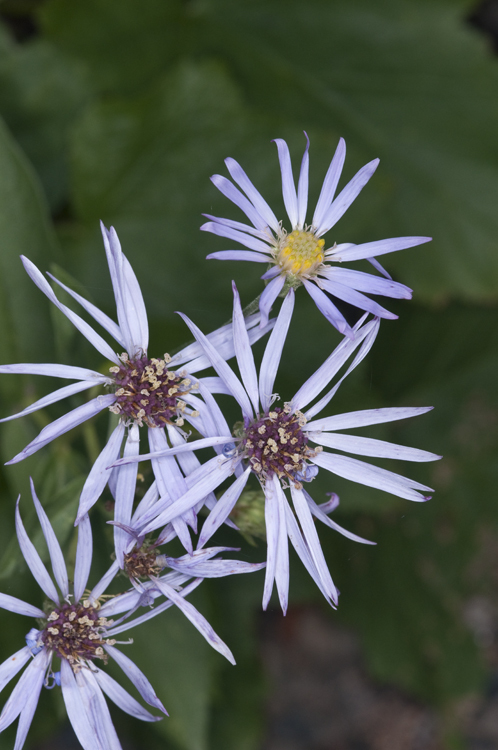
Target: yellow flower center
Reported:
[(301, 253)]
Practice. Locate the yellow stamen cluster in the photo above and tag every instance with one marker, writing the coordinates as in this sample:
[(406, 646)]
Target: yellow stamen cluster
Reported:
[(300, 253)]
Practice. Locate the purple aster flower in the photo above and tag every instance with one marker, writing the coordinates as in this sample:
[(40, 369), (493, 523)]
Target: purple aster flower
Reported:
[(143, 563), (77, 632), (300, 255), (143, 390), (283, 447)]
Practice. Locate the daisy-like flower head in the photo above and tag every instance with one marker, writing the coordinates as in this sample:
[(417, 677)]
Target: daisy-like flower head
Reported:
[(141, 390), (283, 446), (144, 564), (73, 639), (299, 254)]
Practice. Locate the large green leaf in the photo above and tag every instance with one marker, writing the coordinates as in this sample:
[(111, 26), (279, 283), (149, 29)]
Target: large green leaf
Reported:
[(41, 93), (405, 81), (25, 230)]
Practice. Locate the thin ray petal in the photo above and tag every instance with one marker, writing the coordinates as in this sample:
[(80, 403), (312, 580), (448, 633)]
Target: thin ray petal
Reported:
[(347, 196), (363, 446), (93, 337), (137, 677), (195, 618), (52, 398), (239, 176), (243, 351), (329, 186), (64, 424), (104, 320), (378, 247), (234, 234), (288, 186), (11, 666), (269, 296), (222, 368), (273, 351), (99, 473), (33, 560), (12, 604), (122, 698), (366, 417), (54, 548), (222, 508), (84, 552), (234, 195), (302, 187), (327, 308), (372, 476)]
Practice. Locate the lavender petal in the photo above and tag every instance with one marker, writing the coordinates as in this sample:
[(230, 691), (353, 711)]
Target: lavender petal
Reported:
[(137, 677), (99, 473), (64, 424), (11, 666), (239, 176), (33, 560), (84, 551), (52, 398), (12, 604), (347, 196), (288, 186), (378, 247), (195, 617), (54, 548), (122, 698), (243, 351), (371, 476), (223, 508), (329, 187), (273, 351), (83, 327), (302, 187)]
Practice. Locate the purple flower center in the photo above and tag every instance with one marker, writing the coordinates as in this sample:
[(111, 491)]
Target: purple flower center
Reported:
[(74, 632), (147, 392), (142, 563), (276, 444)]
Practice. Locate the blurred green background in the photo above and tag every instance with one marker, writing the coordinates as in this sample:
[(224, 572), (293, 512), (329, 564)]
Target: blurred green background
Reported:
[(121, 110)]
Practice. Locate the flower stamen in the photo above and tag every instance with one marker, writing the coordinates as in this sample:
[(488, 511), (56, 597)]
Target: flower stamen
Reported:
[(148, 393), (300, 254), (74, 632), (276, 444)]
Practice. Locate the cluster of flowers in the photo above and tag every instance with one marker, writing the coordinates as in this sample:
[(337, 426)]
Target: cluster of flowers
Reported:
[(280, 442)]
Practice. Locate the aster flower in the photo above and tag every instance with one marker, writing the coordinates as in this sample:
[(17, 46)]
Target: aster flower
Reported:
[(76, 629), (143, 562), (143, 390), (283, 447), (300, 255)]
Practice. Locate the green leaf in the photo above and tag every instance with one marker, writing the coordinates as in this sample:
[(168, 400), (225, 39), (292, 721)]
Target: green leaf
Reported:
[(405, 81), (41, 93), (140, 165), (25, 230), (140, 41)]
